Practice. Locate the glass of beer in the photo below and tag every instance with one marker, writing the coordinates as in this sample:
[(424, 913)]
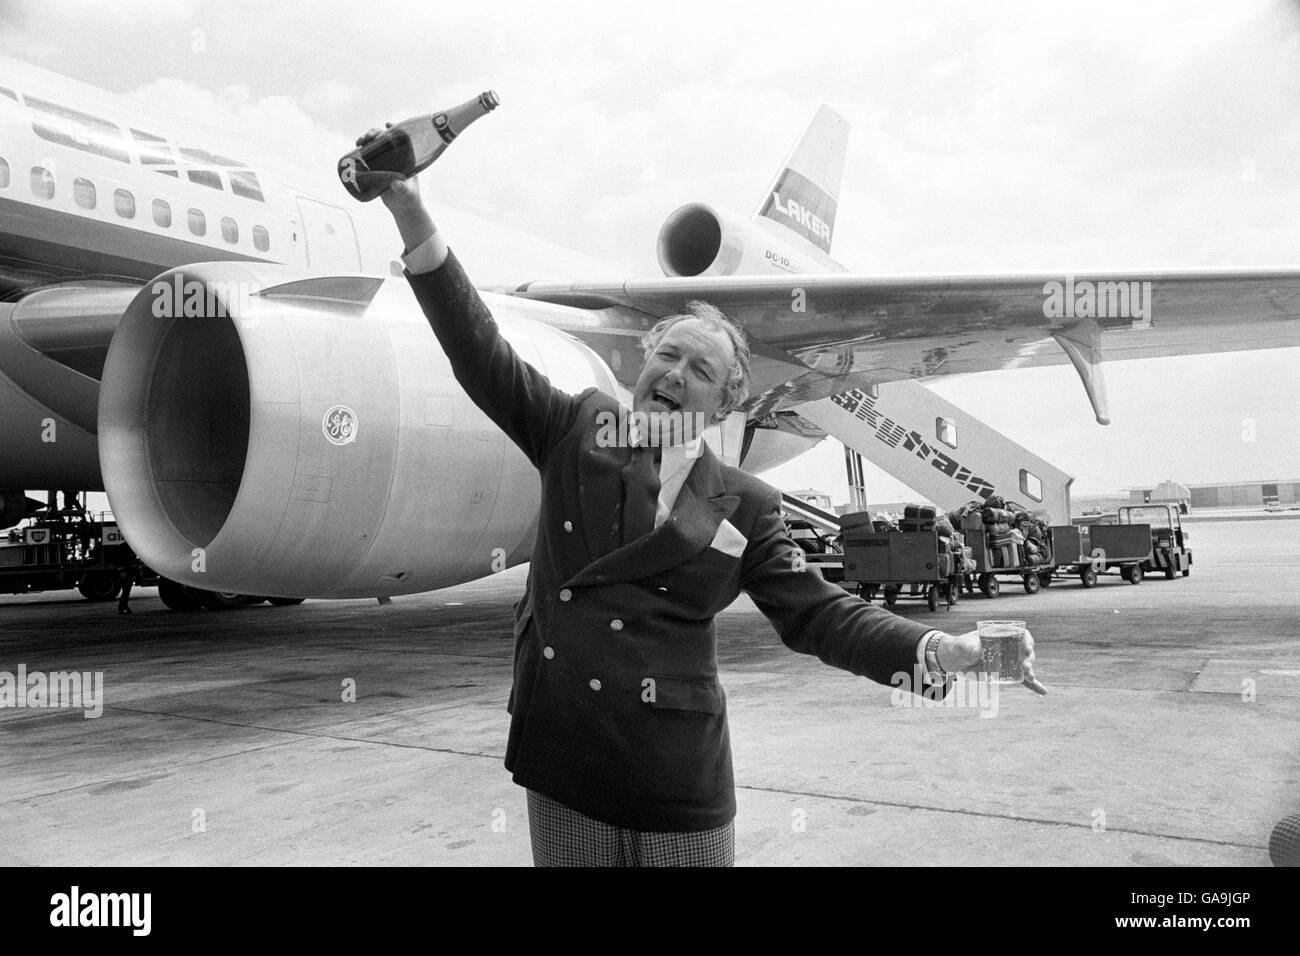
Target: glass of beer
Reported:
[(1000, 643)]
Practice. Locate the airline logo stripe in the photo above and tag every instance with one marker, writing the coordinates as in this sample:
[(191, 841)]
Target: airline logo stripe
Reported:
[(803, 207), (863, 407)]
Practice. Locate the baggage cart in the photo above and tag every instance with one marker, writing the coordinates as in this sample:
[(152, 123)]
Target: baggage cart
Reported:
[(898, 564)]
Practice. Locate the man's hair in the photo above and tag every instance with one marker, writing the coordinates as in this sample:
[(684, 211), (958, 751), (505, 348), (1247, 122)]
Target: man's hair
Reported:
[(737, 387)]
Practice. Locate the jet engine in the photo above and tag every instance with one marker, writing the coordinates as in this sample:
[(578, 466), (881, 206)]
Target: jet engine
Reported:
[(305, 437), (698, 240)]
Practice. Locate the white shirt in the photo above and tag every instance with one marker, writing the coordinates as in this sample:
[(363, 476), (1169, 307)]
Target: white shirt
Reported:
[(674, 468)]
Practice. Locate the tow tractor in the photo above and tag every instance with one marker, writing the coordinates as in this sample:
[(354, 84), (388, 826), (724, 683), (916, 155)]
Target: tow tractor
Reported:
[(67, 550), (1137, 539)]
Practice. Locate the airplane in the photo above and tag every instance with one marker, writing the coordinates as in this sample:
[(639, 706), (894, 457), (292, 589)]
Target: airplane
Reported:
[(227, 350)]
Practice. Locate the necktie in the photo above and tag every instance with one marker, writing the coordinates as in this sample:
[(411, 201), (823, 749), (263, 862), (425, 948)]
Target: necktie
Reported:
[(640, 493)]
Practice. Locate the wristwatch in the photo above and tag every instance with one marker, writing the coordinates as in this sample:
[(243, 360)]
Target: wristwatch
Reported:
[(932, 656)]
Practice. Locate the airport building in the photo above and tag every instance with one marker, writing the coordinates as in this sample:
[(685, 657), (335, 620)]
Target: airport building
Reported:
[(1241, 494)]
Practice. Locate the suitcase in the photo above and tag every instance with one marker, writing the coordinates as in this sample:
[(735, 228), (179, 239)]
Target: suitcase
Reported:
[(855, 519), (998, 516)]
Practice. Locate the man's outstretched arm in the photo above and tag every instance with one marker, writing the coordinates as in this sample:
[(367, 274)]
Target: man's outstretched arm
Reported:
[(517, 397), (816, 617)]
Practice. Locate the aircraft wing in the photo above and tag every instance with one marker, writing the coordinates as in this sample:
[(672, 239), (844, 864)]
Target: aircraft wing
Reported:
[(818, 335)]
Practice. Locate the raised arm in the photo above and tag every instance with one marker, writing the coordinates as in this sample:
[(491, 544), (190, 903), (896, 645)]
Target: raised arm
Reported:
[(517, 397)]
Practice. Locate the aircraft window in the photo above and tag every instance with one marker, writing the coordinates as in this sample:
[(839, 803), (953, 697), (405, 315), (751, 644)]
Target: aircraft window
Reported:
[(261, 239), (155, 151), (83, 193), (1031, 485), (58, 124), (124, 203), (243, 182), (229, 230), (945, 429), (4, 174), (198, 222), (204, 174), (42, 182), (162, 213)]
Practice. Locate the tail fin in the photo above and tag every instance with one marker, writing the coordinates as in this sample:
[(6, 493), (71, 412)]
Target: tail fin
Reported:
[(806, 191)]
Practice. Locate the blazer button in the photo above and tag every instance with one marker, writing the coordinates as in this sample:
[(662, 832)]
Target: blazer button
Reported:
[(568, 526), (595, 684), (616, 625), (566, 594), (548, 652)]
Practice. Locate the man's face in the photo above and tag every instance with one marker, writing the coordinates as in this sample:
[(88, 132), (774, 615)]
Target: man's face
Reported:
[(686, 374)]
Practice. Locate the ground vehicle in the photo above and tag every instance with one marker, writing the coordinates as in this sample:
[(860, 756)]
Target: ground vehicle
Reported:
[(821, 550), (1031, 562), (1138, 539), (68, 549), (921, 562), (72, 548)]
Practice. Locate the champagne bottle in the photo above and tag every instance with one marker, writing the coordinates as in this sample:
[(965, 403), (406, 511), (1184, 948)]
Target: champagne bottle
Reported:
[(410, 146)]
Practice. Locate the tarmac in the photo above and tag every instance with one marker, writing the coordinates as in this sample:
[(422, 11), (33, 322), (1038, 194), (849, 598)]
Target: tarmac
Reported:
[(1168, 737)]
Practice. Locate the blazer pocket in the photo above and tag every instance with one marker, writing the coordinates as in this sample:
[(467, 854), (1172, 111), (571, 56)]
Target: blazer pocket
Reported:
[(678, 693), (679, 748), (718, 559), (729, 540)]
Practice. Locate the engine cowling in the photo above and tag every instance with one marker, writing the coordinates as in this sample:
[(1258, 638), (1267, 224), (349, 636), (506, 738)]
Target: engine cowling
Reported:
[(699, 240), (306, 438), (51, 345)]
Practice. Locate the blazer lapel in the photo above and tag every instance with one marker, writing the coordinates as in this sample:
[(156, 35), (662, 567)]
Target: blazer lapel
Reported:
[(701, 506), (600, 491)]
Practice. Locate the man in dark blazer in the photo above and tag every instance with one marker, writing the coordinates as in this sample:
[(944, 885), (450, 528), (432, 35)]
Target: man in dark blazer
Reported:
[(618, 723)]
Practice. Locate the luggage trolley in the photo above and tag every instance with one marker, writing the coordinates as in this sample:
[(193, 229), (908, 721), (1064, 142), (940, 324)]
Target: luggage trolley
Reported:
[(1005, 541), (915, 556)]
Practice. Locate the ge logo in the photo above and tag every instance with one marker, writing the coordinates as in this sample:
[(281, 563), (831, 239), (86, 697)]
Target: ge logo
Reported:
[(340, 425)]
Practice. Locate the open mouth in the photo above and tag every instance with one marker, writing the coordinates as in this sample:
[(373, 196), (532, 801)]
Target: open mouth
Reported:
[(666, 400)]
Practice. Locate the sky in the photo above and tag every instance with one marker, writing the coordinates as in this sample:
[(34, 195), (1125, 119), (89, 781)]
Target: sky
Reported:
[(989, 137)]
